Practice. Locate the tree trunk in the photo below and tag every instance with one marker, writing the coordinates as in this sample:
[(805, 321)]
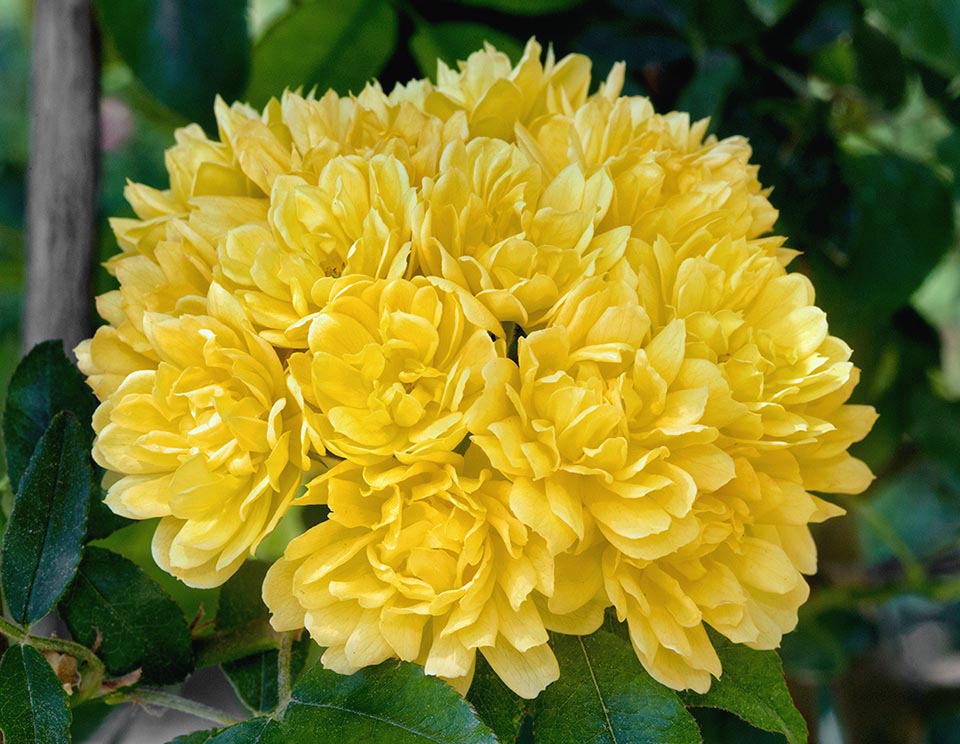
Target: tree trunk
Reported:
[(62, 176)]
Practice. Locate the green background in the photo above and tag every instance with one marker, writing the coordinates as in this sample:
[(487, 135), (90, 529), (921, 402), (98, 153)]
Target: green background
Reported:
[(853, 111)]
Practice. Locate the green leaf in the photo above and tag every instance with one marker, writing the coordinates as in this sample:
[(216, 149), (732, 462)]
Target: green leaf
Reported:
[(604, 696), (338, 45), (525, 7), (915, 512), (453, 42), (255, 731), (497, 705), (139, 625), (720, 727), (33, 705), (717, 73), (394, 703), (184, 52), (254, 678), (927, 30), (44, 537), (196, 737), (88, 717), (102, 522), (902, 223), (134, 543), (44, 384), (770, 11), (752, 687)]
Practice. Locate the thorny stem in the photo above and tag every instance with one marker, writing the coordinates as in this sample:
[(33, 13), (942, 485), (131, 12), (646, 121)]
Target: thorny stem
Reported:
[(283, 671), (95, 672), (235, 643), (148, 696)]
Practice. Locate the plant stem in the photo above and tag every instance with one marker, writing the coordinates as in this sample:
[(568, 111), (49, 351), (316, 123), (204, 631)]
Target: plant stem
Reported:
[(283, 672), (11, 631), (61, 646), (95, 670), (235, 643), (148, 696)]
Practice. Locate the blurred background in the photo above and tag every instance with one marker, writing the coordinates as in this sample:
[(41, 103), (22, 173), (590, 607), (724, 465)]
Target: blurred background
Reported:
[(853, 111)]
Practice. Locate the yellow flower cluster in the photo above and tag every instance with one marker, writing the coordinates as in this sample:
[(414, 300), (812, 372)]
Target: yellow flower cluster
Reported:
[(534, 349)]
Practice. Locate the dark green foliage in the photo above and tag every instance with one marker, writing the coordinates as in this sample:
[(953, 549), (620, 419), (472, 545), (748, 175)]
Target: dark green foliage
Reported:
[(456, 41), (33, 705), (43, 540), (138, 624), (496, 704), (525, 7), (394, 703), (254, 678), (604, 696), (255, 731), (44, 384), (928, 30), (87, 718), (338, 45), (184, 52), (752, 687), (719, 727), (770, 11), (717, 73)]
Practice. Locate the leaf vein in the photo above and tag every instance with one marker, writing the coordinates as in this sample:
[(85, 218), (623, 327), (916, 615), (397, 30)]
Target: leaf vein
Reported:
[(380, 719), (593, 677)]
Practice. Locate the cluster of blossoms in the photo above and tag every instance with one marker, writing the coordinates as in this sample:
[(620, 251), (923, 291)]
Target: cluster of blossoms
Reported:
[(533, 348)]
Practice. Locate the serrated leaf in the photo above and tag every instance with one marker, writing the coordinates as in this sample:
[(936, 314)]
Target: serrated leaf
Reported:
[(720, 727), (752, 687), (498, 706), (44, 384), (196, 737), (338, 45), (184, 52), (44, 537), (139, 625), (33, 705), (456, 41), (254, 678), (525, 7), (255, 731), (393, 703), (604, 696)]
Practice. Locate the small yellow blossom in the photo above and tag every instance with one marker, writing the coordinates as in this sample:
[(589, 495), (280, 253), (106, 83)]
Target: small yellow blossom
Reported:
[(497, 96), (393, 368), (421, 562), (356, 219), (206, 439), (492, 225)]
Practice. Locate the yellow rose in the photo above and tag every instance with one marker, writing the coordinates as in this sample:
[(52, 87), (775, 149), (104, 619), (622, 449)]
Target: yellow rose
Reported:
[(393, 368), (206, 438), (421, 562)]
